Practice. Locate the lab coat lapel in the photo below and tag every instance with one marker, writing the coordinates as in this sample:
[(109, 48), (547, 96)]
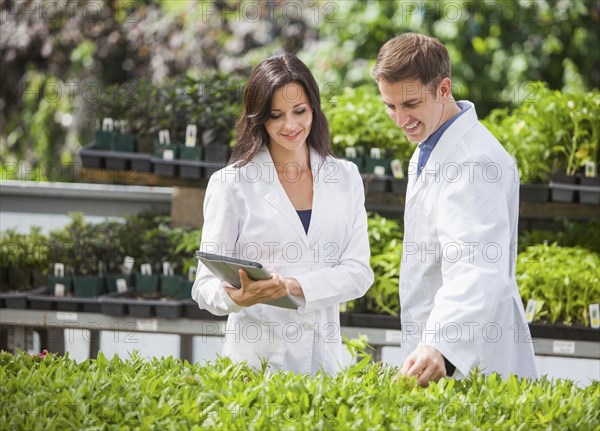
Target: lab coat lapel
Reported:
[(322, 177), (275, 194), (441, 156)]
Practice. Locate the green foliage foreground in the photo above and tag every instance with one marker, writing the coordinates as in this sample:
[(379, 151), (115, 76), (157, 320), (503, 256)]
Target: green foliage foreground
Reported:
[(54, 392)]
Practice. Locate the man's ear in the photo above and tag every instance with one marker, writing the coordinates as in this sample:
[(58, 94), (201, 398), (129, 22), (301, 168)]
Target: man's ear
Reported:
[(445, 87)]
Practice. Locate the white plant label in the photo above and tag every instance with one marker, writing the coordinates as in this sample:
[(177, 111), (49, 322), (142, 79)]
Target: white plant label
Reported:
[(167, 268), (59, 289), (590, 169), (595, 315), (393, 336), (379, 171), (350, 152), (147, 324), (68, 317), (128, 264), (59, 269), (190, 135), (192, 274), (107, 124), (146, 269), (397, 170), (168, 155), (163, 137), (375, 153), (563, 347), (530, 310), (121, 285)]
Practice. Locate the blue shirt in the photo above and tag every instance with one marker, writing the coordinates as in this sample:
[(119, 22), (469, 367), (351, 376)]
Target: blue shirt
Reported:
[(427, 146), (305, 218)]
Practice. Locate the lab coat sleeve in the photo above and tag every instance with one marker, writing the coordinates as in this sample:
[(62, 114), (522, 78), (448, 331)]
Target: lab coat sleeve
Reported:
[(219, 234), (473, 228), (352, 276)]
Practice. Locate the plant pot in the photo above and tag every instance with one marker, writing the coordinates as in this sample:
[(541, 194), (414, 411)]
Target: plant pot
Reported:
[(145, 143), (4, 279), (140, 162), (359, 162), (146, 283), (19, 278), (211, 168), (190, 153), (165, 168), (373, 320), (159, 150), (564, 187), (533, 192), (190, 169), (88, 286), (170, 309), (112, 304), (65, 281), (216, 153), (374, 183), (589, 191), (20, 300), (371, 163), (38, 278), (564, 332), (124, 142), (103, 140), (192, 311), (185, 289), (399, 186), (111, 281), (116, 161), (91, 157), (170, 286)]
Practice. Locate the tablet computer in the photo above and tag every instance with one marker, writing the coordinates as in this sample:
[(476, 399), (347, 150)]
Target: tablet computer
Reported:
[(226, 269)]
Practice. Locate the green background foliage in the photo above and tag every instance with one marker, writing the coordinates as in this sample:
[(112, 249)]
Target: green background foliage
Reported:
[(57, 62)]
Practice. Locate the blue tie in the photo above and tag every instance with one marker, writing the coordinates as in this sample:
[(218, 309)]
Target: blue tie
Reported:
[(424, 152)]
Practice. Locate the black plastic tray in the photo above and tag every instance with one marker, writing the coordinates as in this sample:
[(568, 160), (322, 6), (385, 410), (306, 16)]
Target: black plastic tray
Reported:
[(19, 300)]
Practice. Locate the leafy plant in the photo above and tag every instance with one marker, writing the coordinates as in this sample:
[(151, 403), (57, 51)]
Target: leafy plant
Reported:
[(167, 393), (80, 246), (552, 130), (563, 281), (358, 118), (573, 234), (385, 239)]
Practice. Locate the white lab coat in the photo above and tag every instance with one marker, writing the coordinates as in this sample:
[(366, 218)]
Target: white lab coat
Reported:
[(457, 284), (248, 215)]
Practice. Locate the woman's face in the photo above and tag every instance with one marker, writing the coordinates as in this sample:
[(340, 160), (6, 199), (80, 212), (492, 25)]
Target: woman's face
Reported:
[(291, 117)]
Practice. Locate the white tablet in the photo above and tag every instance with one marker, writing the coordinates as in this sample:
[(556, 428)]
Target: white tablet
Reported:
[(226, 269)]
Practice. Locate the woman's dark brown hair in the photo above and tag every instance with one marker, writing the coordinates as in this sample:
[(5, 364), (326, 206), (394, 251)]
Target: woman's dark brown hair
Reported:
[(270, 74)]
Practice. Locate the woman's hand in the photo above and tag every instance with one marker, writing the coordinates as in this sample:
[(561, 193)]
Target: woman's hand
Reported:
[(258, 292)]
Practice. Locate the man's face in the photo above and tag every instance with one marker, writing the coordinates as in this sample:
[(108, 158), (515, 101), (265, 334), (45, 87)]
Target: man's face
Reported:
[(419, 110)]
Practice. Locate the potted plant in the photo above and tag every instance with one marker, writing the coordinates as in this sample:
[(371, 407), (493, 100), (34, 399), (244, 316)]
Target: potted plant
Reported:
[(570, 130), (525, 134), (24, 259), (380, 305), (589, 192)]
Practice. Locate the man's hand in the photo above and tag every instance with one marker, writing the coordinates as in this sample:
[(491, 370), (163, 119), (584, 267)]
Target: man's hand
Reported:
[(426, 364)]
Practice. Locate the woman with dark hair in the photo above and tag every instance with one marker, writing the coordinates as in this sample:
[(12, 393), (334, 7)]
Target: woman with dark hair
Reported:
[(287, 203)]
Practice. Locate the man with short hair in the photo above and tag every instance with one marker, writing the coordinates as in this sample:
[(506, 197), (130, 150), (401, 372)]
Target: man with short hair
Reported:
[(460, 304)]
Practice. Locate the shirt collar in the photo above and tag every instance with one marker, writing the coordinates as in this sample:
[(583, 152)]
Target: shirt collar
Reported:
[(433, 139)]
